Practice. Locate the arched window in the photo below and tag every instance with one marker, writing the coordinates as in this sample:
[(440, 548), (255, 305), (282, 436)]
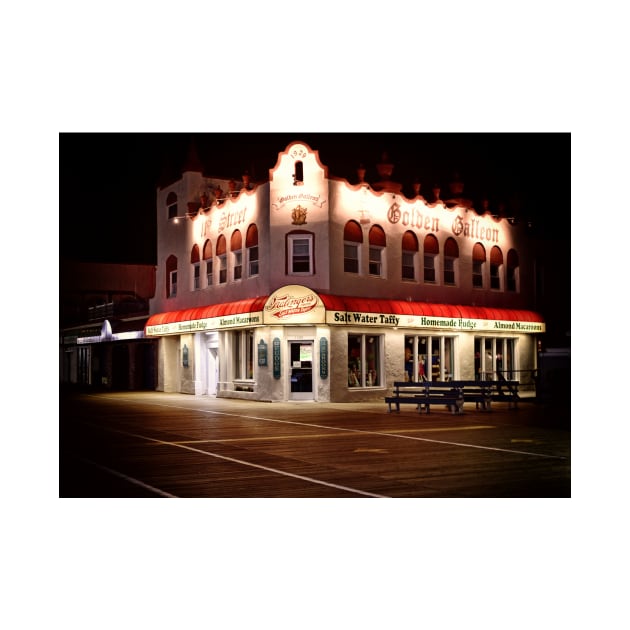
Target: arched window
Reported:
[(236, 247), (451, 254), (207, 256), (431, 252), (410, 248), (496, 261), (171, 276), (512, 270), (196, 267), (378, 242), (171, 205), (298, 176), (352, 239), (222, 258), (478, 262), (251, 243)]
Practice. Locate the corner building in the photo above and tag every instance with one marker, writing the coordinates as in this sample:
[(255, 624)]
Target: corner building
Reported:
[(309, 287)]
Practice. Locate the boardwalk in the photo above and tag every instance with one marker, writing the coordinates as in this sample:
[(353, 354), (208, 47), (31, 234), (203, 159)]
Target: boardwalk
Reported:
[(151, 444)]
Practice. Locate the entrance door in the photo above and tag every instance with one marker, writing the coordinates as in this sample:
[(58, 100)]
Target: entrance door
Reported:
[(301, 372), (213, 371)]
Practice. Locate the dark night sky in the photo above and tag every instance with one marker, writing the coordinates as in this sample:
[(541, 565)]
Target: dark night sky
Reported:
[(109, 180)]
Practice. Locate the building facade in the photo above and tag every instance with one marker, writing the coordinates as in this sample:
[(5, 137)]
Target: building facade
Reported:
[(309, 287), (103, 311)]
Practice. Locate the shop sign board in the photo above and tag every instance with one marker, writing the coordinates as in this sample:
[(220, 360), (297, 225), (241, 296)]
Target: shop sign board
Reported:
[(350, 318)]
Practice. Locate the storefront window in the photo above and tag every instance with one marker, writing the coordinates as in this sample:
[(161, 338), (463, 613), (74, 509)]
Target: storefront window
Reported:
[(429, 358), (364, 360), (494, 358), (242, 346)]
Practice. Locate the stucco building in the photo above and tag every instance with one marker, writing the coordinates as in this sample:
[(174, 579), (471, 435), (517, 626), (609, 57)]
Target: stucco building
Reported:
[(310, 287)]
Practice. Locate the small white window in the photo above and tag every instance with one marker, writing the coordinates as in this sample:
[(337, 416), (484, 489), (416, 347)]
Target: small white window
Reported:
[(429, 268), (252, 254), (222, 269), (238, 264), (408, 265), (196, 276), (351, 257), (376, 261), (300, 254)]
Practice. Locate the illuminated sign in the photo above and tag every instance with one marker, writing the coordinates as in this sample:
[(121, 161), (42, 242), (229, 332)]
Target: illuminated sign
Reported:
[(294, 304), (210, 323), (423, 321), (283, 200), (476, 228)]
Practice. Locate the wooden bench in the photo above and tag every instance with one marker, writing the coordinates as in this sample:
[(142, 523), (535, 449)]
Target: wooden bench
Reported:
[(453, 394), (425, 394)]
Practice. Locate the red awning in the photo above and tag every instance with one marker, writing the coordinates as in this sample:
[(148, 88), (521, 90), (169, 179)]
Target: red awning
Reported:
[(352, 304), (402, 307), (251, 305)]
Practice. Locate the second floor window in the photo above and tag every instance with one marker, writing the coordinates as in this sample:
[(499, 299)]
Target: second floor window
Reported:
[(449, 270), (221, 258), (222, 269), (300, 254), (251, 243), (207, 256), (479, 260), (409, 251), (351, 258), (196, 276), (477, 274), (352, 237), (496, 264), (376, 262), (173, 284), (171, 276), (252, 253), (495, 278), (408, 270), (378, 242), (429, 268), (196, 268), (238, 264), (451, 254), (431, 252)]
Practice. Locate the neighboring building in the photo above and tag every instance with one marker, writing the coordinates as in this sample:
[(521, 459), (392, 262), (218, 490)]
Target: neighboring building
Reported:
[(103, 311), (308, 287)]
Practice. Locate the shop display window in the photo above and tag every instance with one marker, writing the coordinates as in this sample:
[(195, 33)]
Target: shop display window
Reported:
[(364, 360), (429, 358), (494, 358)]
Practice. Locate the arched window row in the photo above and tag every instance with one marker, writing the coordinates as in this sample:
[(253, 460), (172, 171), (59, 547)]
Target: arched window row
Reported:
[(214, 264), (425, 260)]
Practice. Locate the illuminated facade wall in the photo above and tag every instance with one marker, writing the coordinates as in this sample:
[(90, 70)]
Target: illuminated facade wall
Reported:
[(221, 242)]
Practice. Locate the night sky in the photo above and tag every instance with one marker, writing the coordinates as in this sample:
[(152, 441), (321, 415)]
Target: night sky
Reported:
[(108, 181)]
